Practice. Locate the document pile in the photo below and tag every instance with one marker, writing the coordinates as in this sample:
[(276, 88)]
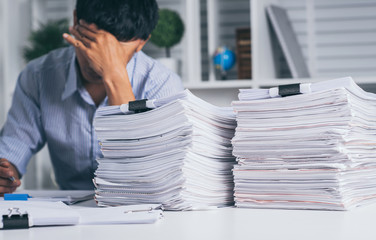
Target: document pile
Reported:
[(178, 154), (316, 150)]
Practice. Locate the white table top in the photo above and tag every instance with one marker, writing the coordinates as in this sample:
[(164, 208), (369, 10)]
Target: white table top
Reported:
[(227, 223)]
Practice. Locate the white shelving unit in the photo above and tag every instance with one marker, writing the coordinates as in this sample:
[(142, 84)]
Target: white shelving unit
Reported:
[(320, 47), (15, 27), (319, 25)]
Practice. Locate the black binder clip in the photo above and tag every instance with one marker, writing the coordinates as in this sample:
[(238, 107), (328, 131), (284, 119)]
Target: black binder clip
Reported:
[(289, 90), (15, 219), (138, 106)]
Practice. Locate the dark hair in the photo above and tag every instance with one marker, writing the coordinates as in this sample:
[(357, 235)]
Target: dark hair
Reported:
[(125, 19)]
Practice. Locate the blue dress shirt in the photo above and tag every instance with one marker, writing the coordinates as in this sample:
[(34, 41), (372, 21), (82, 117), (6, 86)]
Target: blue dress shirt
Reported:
[(50, 105)]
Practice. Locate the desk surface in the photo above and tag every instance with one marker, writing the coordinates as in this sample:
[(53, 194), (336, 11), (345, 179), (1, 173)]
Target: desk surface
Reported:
[(227, 223)]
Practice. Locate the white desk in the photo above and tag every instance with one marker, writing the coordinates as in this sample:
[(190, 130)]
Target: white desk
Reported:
[(228, 223)]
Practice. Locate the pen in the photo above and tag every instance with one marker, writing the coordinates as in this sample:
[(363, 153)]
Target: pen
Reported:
[(12, 179)]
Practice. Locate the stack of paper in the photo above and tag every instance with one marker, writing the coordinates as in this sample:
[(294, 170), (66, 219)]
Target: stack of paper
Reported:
[(315, 150), (179, 154)]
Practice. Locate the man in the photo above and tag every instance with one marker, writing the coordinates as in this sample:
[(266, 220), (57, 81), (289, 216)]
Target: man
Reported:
[(57, 95)]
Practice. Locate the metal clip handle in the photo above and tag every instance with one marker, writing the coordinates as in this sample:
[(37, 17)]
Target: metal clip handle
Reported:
[(13, 211), (150, 209), (140, 210)]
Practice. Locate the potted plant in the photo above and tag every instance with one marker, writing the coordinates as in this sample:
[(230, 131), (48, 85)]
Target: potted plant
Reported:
[(48, 37), (168, 32)]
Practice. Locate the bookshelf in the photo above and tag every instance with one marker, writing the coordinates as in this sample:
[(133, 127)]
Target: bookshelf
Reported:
[(329, 32), (337, 38)]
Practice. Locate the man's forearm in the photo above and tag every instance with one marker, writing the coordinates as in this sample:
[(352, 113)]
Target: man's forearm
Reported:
[(118, 88)]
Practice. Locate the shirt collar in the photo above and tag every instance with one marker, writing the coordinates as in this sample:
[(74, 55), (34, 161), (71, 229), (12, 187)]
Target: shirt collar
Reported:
[(74, 83), (71, 83)]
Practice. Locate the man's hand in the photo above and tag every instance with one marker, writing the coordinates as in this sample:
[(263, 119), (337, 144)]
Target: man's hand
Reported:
[(107, 57), (7, 173)]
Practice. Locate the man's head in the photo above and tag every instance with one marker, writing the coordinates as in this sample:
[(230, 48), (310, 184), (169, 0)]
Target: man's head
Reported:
[(125, 19), (129, 21)]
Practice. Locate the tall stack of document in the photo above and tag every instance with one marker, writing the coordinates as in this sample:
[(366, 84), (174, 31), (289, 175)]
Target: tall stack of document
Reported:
[(178, 154), (316, 150)]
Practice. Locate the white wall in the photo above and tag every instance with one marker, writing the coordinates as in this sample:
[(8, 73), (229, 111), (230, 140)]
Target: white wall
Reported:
[(219, 97), (2, 82), (15, 26), (337, 37)]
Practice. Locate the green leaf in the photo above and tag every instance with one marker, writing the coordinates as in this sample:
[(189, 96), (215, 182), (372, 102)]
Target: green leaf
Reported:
[(47, 38)]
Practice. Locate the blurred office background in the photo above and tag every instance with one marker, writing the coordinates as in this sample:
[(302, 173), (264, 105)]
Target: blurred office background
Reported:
[(337, 37)]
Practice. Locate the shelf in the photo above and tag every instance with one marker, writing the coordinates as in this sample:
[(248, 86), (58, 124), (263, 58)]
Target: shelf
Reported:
[(249, 83), (275, 82), (220, 84), (218, 20)]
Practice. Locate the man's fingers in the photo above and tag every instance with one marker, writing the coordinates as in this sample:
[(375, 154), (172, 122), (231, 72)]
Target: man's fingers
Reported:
[(86, 33), (71, 40), (79, 37), (5, 182), (76, 34), (74, 42), (5, 172), (4, 163), (92, 27)]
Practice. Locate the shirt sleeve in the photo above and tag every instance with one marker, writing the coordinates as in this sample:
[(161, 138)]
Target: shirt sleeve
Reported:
[(22, 134), (162, 82)]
